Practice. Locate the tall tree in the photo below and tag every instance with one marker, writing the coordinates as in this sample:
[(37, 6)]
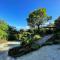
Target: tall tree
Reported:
[(38, 18)]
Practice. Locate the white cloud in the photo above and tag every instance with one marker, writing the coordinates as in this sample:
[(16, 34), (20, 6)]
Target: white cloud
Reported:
[(22, 27)]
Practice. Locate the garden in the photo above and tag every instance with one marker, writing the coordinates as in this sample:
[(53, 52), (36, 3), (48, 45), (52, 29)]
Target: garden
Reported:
[(36, 21)]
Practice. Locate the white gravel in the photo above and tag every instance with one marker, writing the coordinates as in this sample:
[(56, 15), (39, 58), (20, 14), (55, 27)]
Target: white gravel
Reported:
[(51, 52), (45, 53)]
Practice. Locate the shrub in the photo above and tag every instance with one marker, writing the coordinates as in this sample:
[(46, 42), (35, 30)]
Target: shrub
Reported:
[(36, 37), (26, 38)]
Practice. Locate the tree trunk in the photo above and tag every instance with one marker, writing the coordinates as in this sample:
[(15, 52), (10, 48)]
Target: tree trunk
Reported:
[(38, 28)]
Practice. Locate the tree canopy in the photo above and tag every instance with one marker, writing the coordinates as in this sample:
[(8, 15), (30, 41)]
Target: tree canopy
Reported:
[(38, 18), (3, 29)]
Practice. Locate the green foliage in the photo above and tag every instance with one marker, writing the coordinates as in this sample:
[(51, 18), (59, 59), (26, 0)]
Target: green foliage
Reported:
[(25, 37), (13, 33), (38, 13), (3, 35), (30, 31), (37, 18), (3, 30), (37, 37), (7, 32), (57, 25), (21, 31), (3, 25), (57, 21)]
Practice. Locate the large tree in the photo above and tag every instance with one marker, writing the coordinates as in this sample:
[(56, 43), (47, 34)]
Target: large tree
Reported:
[(38, 18)]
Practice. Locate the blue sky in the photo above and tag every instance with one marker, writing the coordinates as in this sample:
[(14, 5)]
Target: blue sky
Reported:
[(15, 12)]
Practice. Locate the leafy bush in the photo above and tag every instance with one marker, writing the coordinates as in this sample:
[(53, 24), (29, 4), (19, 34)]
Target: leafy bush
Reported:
[(3, 30), (25, 37), (3, 34), (36, 37)]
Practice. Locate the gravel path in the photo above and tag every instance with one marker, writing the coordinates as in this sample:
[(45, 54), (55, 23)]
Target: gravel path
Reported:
[(44, 39), (45, 53)]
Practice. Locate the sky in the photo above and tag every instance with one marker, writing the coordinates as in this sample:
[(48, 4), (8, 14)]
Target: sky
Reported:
[(15, 12)]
